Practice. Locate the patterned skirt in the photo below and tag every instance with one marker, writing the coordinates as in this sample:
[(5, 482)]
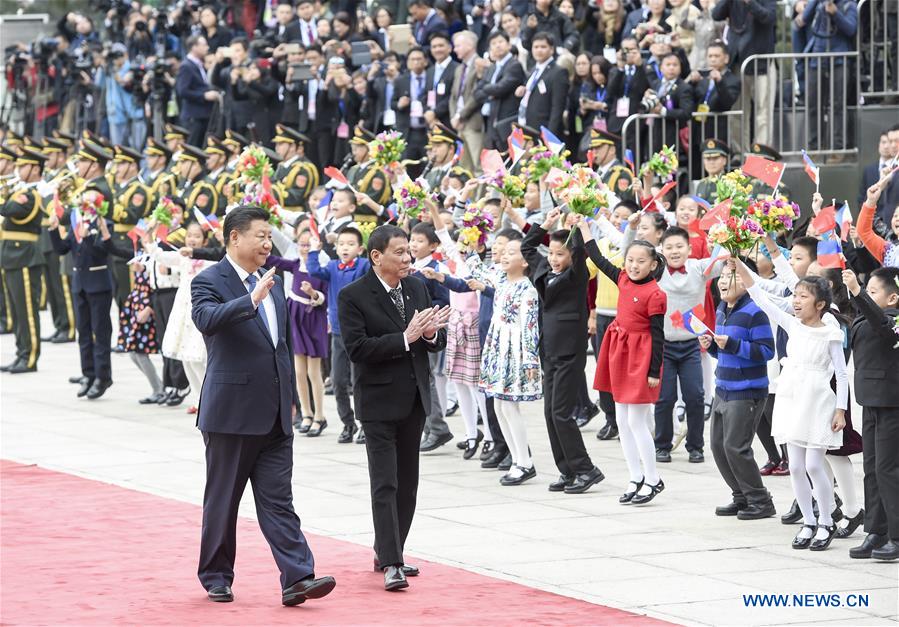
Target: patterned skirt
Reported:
[(463, 348)]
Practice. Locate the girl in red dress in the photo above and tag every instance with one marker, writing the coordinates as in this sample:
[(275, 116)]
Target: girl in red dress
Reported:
[(630, 359)]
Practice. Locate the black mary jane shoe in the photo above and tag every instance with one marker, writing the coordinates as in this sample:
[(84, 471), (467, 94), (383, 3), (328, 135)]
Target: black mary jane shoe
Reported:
[(854, 524), (316, 429), (803, 543), (471, 447), (153, 399), (818, 544), (643, 499), (628, 496), (487, 450), (304, 426)]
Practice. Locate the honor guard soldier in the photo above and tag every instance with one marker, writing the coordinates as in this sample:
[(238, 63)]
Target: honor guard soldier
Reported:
[(758, 187), (8, 181), (216, 158), (157, 175), (365, 176), (21, 260), (296, 176), (442, 143), (13, 141), (175, 137), (91, 160), (715, 156), (131, 202), (195, 190), (604, 146), (234, 144), (60, 183), (68, 139)]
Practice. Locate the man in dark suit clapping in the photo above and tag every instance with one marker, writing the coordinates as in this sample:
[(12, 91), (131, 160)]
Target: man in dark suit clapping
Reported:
[(544, 93), (245, 411), (439, 80), (389, 327)]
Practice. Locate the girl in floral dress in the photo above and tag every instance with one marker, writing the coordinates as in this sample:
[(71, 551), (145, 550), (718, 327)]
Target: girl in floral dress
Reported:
[(137, 332)]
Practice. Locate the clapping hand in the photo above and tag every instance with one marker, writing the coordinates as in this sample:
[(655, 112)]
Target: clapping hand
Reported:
[(263, 287), (426, 323), (436, 322)]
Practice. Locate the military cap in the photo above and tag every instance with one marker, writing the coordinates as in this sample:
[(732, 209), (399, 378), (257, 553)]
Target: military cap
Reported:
[(234, 141), (603, 138), (273, 156), (13, 139), (440, 134), (714, 146), (286, 134), (28, 155), (192, 153), (7, 153), (214, 146), (362, 136), (158, 149), (52, 144), (126, 154), (89, 135), (93, 152), (173, 131), (67, 138), (766, 152)]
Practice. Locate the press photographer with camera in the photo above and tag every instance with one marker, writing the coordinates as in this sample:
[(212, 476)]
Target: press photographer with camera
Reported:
[(124, 98), (231, 64)]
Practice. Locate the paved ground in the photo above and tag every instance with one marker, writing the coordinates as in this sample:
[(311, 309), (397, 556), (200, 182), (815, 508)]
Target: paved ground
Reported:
[(672, 560)]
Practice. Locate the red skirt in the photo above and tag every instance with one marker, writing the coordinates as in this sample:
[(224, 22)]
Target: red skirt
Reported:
[(623, 366)]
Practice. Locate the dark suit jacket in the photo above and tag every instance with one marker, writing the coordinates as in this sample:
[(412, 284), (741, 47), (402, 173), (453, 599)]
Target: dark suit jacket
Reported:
[(723, 96), (441, 110), (327, 112), (563, 298), (90, 260), (546, 108), (638, 85), (386, 376), (889, 199), (402, 87), (250, 383), (503, 101), (751, 30), (190, 87), (291, 32), (876, 355), (433, 24), (377, 93)]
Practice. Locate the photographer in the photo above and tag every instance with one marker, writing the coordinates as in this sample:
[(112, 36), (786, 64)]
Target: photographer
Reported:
[(257, 87), (216, 34), (287, 71), (124, 98), (77, 29), (137, 36), (231, 65)]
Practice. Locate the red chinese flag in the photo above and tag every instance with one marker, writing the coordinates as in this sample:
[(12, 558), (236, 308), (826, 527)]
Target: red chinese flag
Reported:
[(764, 170), (719, 213), (826, 220), (651, 205), (336, 175)]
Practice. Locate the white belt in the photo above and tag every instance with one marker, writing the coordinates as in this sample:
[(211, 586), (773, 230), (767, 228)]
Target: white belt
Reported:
[(300, 299), (93, 268)]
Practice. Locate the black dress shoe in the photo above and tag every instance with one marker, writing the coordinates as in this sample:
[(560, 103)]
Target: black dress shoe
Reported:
[(471, 447), (452, 410), (642, 499), (303, 427), (757, 511), (732, 509), (803, 543), (98, 388), (628, 496), (696, 457), (793, 516), (21, 366), (585, 481), (463, 444), (12, 364), (347, 434), (486, 450), (85, 387), (819, 544), (408, 569), (561, 483), (506, 462), (526, 473), (220, 594), (166, 395), (433, 442), (316, 429), (177, 397), (77, 380), (608, 432), (498, 455), (62, 337), (888, 552), (308, 588), (871, 542), (394, 579), (663, 456), (360, 437), (854, 523), (153, 399)]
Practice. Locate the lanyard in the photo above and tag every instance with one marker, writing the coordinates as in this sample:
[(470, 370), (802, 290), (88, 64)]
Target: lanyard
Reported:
[(708, 92)]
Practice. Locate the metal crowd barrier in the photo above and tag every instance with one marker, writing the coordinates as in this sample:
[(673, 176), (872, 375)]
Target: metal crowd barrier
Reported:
[(877, 42), (815, 116)]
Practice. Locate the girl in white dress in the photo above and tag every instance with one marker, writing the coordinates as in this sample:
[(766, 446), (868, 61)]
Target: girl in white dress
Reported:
[(808, 417), (182, 340)]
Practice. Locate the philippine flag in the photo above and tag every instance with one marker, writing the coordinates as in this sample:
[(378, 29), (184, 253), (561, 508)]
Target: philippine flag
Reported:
[(516, 145), (213, 221), (830, 254), (691, 320), (810, 168), (629, 160), (844, 220), (552, 142)]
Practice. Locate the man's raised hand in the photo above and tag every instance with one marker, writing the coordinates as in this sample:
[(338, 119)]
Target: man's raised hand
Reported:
[(263, 287)]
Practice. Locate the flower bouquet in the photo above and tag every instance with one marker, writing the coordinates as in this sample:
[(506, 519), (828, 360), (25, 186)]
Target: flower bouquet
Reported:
[(509, 185), (663, 164), (410, 196), (387, 148), (365, 229), (581, 189), (541, 160), (253, 164), (736, 186), (737, 234), (260, 195), (165, 211), (774, 215), (93, 204), (477, 224)]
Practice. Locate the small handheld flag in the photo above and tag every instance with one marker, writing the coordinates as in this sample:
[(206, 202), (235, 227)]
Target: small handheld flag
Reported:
[(629, 160), (691, 321), (491, 162), (204, 223), (653, 205), (213, 221), (75, 221), (552, 142), (769, 172), (825, 220), (457, 155), (844, 220), (57, 205), (516, 145), (812, 170), (719, 213), (702, 202), (830, 254), (718, 254)]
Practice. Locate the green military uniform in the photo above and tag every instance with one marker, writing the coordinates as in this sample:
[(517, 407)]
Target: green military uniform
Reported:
[(22, 264), (177, 136), (162, 182), (131, 202), (295, 178), (7, 183), (707, 188), (198, 193), (618, 177), (369, 179), (758, 187)]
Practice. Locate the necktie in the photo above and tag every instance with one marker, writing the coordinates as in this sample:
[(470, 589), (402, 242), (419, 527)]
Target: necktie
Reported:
[(462, 78), (252, 279), (396, 295), (310, 34)]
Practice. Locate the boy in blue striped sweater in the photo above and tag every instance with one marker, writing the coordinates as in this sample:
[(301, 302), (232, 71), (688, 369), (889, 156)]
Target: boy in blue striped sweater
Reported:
[(743, 344)]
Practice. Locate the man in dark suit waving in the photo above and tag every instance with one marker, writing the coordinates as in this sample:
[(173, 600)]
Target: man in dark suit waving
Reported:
[(245, 412), (389, 327)]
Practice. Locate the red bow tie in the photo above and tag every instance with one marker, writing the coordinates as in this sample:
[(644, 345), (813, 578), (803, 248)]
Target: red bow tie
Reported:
[(682, 270), (347, 266)]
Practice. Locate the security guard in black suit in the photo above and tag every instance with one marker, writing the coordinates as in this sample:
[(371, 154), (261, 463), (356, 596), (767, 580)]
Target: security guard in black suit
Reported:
[(296, 176), (21, 259), (8, 180), (760, 188), (715, 157), (604, 146), (131, 202), (90, 243), (59, 183), (366, 177)]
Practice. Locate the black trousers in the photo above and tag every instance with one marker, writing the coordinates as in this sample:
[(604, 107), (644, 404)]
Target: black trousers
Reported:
[(173, 375), (198, 128), (560, 406), (392, 448), (732, 431), (59, 296), (94, 333), (880, 442), (266, 461), (24, 288), (493, 423), (763, 431), (121, 271)]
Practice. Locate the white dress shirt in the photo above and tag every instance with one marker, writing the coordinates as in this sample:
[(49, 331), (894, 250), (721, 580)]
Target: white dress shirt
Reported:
[(271, 316)]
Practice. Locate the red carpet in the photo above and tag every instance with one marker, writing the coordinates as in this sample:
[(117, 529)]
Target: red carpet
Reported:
[(76, 551)]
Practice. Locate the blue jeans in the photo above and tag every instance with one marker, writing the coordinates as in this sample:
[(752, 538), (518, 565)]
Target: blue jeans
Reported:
[(682, 362)]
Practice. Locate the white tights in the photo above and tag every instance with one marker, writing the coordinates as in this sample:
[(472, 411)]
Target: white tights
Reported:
[(840, 466), (470, 401), (515, 431), (810, 461), (635, 430), (196, 372)]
